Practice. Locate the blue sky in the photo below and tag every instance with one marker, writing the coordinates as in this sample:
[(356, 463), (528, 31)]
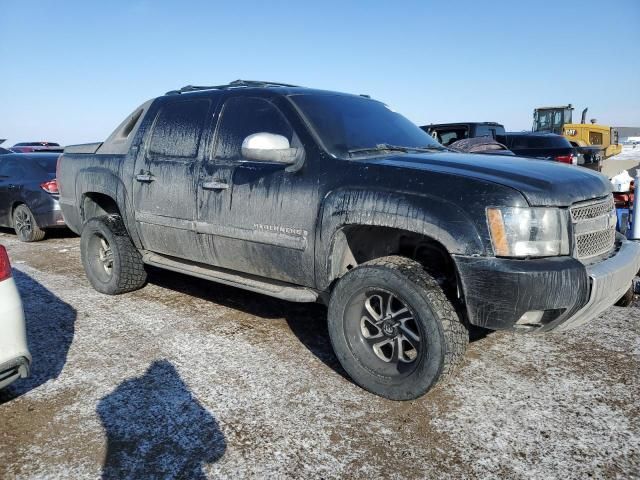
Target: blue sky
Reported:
[(72, 70)]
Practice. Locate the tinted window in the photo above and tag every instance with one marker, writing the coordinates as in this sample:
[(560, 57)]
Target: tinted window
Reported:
[(537, 141), (347, 122), (243, 116), (48, 164), (37, 144), (178, 128), (488, 130), (12, 168)]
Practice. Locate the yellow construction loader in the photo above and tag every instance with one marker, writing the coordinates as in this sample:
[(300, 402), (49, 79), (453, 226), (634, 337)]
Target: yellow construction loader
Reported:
[(601, 140)]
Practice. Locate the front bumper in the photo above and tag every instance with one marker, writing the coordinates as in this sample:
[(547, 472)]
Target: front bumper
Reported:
[(15, 359), (610, 279), (498, 292), (14, 369)]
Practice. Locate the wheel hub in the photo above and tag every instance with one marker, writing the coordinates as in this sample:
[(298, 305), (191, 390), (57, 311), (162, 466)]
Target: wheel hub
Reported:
[(105, 254), (388, 328)]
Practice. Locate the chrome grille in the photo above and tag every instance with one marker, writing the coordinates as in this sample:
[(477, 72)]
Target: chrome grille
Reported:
[(591, 210), (594, 227), (595, 243)]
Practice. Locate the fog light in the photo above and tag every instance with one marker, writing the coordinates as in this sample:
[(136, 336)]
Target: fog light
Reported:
[(532, 317)]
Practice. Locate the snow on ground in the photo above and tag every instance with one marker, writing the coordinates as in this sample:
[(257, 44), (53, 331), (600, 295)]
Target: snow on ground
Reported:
[(189, 379), (629, 152)]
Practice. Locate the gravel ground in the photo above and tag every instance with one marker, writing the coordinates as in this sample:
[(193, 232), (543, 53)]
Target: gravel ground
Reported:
[(189, 379)]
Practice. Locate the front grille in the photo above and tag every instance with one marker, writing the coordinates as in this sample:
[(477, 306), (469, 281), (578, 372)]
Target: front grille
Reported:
[(587, 211), (594, 228), (595, 243)]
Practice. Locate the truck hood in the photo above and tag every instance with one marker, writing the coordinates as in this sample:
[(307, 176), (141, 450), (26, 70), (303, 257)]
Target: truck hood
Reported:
[(543, 183)]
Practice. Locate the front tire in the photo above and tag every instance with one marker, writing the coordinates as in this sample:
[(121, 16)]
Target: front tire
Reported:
[(111, 261), (25, 225), (393, 329), (627, 299)]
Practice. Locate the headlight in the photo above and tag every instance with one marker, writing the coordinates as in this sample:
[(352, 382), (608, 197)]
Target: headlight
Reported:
[(528, 232)]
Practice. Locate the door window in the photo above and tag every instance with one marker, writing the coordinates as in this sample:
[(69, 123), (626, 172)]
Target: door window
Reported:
[(12, 169), (243, 116), (177, 130)]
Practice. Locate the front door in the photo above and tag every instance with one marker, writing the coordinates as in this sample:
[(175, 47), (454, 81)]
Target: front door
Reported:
[(166, 177), (255, 216)]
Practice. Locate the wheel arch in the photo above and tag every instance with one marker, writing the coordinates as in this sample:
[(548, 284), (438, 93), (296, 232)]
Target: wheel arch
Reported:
[(361, 226)]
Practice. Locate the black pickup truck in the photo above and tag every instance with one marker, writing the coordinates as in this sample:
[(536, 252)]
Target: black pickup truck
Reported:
[(316, 196)]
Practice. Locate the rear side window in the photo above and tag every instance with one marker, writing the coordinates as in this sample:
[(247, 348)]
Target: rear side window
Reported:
[(450, 135), (538, 141), (47, 164), (243, 116), (178, 128), (12, 168), (488, 130)]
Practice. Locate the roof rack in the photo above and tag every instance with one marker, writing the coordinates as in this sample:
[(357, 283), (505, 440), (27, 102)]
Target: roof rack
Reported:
[(234, 84)]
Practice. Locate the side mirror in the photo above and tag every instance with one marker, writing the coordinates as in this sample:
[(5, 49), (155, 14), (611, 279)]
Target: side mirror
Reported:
[(269, 147)]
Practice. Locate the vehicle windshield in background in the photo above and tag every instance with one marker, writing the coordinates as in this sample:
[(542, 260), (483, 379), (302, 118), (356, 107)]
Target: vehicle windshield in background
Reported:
[(359, 126), (37, 144)]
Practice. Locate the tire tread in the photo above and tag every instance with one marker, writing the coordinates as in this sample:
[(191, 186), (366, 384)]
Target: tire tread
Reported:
[(456, 335)]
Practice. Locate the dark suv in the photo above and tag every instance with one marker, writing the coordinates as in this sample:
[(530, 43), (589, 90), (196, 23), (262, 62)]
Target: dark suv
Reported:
[(448, 133), (309, 195)]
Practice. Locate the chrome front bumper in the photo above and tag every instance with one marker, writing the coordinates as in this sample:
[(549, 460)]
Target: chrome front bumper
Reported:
[(610, 279), (12, 370)]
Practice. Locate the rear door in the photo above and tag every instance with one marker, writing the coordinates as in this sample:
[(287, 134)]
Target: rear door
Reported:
[(5, 204), (12, 172), (255, 216), (166, 176)]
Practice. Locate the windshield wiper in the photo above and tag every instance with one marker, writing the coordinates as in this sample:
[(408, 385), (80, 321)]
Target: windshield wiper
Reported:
[(386, 147)]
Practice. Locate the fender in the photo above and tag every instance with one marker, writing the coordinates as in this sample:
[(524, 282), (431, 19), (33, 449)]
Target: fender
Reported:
[(424, 214), (103, 180)]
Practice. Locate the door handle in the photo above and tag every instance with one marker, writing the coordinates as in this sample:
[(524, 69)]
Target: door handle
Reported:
[(215, 185), (145, 177)]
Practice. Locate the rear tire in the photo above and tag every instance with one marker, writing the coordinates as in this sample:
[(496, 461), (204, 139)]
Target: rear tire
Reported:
[(111, 261), (25, 225), (393, 329)]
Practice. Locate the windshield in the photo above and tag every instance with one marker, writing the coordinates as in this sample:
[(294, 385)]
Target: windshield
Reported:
[(354, 126)]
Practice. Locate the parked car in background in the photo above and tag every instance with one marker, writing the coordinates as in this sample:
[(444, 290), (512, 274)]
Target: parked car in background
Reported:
[(29, 194), (27, 147), (316, 196), (545, 146), (448, 133), (15, 359)]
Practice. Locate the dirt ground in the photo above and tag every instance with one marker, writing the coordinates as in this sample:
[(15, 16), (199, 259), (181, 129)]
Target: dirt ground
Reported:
[(190, 379)]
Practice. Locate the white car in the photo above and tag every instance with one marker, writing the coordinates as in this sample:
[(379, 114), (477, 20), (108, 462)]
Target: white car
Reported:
[(15, 359)]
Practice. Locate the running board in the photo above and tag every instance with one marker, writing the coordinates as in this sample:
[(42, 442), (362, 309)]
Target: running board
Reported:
[(253, 283)]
